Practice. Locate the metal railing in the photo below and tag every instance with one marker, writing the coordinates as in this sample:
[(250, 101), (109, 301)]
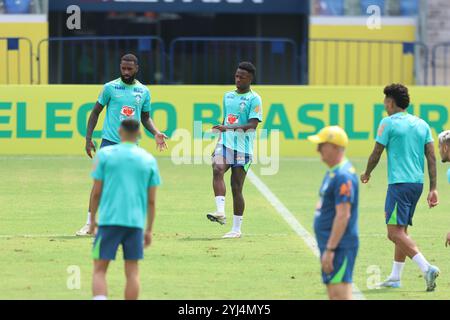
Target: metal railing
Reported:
[(16, 60), (92, 60), (440, 64), (206, 60)]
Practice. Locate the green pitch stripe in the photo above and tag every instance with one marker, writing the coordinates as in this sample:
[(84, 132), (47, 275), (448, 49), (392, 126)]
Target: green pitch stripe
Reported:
[(96, 250), (340, 274), (393, 218)]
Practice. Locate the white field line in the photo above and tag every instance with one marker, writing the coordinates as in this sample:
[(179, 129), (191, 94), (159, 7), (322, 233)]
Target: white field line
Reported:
[(11, 236), (5, 236), (158, 156), (292, 221)]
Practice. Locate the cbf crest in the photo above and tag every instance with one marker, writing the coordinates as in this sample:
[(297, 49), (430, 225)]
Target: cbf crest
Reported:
[(242, 106), (137, 99)]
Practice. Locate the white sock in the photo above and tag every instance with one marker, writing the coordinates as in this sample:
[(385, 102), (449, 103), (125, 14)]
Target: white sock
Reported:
[(220, 204), (237, 222), (421, 262), (397, 269), (88, 221), (99, 297)]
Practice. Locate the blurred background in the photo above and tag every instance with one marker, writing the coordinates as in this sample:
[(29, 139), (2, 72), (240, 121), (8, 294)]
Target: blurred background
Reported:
[(292, 42)]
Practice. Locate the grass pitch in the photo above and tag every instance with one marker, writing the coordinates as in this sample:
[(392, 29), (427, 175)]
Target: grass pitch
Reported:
[(43, 201)]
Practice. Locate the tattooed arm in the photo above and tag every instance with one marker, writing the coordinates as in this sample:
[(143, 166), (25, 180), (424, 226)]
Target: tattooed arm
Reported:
[(432, 172), (373, 162)]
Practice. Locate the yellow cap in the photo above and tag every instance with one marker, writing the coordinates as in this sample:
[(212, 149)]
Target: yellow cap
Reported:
[(332, 134)]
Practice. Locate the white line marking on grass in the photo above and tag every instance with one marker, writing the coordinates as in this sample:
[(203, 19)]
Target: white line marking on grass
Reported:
[(292, 221), (5, 236)]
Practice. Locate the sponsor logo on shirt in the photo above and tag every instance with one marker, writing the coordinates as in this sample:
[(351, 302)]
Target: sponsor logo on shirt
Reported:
[(232, 119), (117, 87), (346, 189), (381, 129), (242, 106), (127, 111), (138, 90), (257, 109)]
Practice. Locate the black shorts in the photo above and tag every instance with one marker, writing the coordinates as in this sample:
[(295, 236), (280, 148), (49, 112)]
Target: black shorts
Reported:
[(106, 143)]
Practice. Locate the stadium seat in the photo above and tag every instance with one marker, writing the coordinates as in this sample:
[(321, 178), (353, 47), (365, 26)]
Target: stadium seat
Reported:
[(366, 3), (409, 7), (17, 6)]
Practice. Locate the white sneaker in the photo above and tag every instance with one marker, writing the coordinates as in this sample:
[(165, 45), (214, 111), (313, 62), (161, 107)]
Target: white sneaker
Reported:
[(430, 277), (389, 283), (84, 232), (232, 234), (217, 217)]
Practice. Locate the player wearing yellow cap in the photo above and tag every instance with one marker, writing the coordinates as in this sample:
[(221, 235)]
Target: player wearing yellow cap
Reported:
[(336, 215)]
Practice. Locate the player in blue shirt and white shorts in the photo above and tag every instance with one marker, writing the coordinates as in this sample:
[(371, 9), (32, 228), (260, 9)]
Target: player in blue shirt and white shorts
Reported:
[(407, 140)]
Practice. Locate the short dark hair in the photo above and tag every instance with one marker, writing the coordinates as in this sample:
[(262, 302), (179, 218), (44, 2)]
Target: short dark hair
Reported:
[(130, 57), (247, 66), (130, 126), (399, 93)]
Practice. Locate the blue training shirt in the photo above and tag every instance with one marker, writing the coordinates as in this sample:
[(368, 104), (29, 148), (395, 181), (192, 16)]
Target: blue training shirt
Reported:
[(340, 185)]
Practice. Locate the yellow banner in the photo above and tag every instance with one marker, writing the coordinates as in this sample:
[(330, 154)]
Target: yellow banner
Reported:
[(348, 60), (52, 119)]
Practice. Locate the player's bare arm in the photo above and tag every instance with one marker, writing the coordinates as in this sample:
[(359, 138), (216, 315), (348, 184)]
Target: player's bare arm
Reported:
[(92, 122), (432, 172), (95, 200), (252, 124), (148, 124), (339, 226), (150, 216), (373, 162)]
